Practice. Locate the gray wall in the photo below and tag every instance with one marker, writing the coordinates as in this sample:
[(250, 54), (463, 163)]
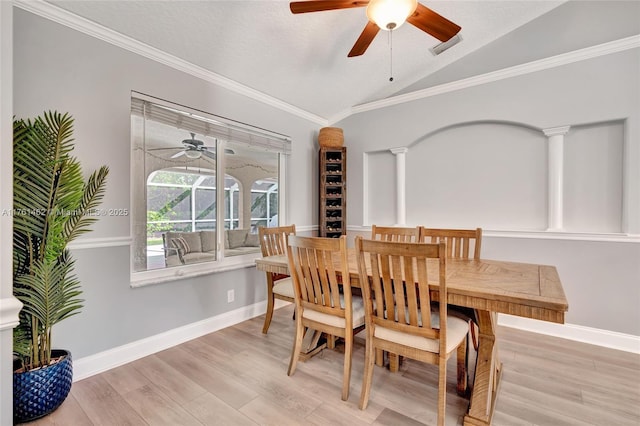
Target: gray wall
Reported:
[(58, 68), (600, 274), (62, 69)]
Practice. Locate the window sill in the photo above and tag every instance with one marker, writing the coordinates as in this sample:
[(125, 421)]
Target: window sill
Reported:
[(160, 276)]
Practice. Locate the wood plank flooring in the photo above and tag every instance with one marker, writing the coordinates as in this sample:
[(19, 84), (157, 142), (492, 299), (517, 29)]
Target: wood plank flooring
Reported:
[(237, 376)]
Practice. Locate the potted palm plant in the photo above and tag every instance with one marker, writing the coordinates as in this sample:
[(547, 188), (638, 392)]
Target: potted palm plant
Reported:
[(53, 204)]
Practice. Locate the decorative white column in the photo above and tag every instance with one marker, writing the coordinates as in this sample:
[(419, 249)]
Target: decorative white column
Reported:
[(9, 305), (555, 164), (401, 190)]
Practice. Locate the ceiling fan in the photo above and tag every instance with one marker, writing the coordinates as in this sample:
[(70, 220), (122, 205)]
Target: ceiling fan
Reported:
[(195, 148), (386, 15)]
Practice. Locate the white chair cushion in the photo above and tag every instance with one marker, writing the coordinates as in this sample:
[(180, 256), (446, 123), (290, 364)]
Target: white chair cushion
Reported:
[(358, 314), (284, 287), (457, 330)]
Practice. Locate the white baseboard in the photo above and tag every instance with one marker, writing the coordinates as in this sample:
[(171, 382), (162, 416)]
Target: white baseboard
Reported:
[(579, 333), (103, 361)]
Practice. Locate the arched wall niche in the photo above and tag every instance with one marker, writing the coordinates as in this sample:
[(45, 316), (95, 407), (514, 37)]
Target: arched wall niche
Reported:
[(503, 175), (445, 129), (491, 174)]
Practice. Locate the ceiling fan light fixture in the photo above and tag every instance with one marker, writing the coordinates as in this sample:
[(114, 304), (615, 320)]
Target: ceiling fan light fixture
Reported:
[(390, 14), (193, 154)]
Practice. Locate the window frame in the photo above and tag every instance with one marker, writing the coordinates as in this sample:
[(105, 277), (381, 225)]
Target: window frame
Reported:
[(222, 263)]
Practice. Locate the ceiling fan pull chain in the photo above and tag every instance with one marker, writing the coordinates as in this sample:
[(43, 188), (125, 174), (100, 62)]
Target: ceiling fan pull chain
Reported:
[(390, 55)]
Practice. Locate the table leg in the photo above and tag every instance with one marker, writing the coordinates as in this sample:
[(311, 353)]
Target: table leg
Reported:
[(488, 371)]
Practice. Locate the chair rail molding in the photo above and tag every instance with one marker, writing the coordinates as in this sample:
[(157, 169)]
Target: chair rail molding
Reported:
[(401, 184), (555, 161)]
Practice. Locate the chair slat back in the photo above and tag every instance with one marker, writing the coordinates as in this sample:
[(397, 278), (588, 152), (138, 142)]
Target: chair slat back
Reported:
[(398, 285), (461, 243), (395, 233), (317, 266), (273, 241)]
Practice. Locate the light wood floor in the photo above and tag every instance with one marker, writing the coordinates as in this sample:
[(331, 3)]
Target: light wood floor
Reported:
[(237, 376)]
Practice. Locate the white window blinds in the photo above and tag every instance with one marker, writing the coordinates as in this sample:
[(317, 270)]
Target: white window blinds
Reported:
[(206, 124)]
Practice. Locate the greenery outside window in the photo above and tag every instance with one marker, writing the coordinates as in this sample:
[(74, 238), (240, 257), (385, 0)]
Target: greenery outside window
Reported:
[(180, 157)]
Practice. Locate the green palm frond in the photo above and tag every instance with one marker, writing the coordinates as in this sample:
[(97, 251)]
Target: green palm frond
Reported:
[(50, 293), (92, 195), (52, 203)]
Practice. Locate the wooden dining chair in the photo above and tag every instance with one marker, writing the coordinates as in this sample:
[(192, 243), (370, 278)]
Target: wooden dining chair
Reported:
[(395, 289), (461, 244), (317, 266), (399, 234), (273, 241), (395, 233)]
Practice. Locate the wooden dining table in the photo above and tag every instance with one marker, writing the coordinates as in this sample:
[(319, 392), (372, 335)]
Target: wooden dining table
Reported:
[(490, 287)]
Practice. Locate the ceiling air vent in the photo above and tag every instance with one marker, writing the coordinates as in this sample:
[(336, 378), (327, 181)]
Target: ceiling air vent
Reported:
[(438, 49)]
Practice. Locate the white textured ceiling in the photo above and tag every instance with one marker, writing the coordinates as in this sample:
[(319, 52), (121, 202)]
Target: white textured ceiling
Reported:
[(302, 59)]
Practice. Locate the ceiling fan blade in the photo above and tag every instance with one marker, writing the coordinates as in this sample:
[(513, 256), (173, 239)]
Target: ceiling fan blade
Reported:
[(431, 23), (209, 154), (177, 154), (162, 149), (365, 39), (321, 5)]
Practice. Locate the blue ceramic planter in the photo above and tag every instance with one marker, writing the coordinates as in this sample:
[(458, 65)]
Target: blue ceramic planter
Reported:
[(37, 393)]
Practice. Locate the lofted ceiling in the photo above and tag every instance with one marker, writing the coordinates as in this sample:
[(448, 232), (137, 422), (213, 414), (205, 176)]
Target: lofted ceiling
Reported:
[(301, 60)]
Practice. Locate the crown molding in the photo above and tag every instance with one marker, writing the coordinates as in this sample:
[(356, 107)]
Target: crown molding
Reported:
[(93, 29), (63, 17), (518, 70)]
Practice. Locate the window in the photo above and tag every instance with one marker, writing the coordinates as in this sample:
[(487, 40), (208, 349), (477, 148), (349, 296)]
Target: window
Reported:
[(181, 158), (264, 202)]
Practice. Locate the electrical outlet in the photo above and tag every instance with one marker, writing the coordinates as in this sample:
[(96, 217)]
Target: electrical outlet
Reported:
[(230, 296)]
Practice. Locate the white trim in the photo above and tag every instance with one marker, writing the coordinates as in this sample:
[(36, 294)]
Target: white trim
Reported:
[(163, 275), (401, 191), (63, 17), (306, 228), (555, 176), (571, 236), (9, 310), (68, 19), (594, 336), (603, 49), (540, 235), (115, 357), (91, 243)]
